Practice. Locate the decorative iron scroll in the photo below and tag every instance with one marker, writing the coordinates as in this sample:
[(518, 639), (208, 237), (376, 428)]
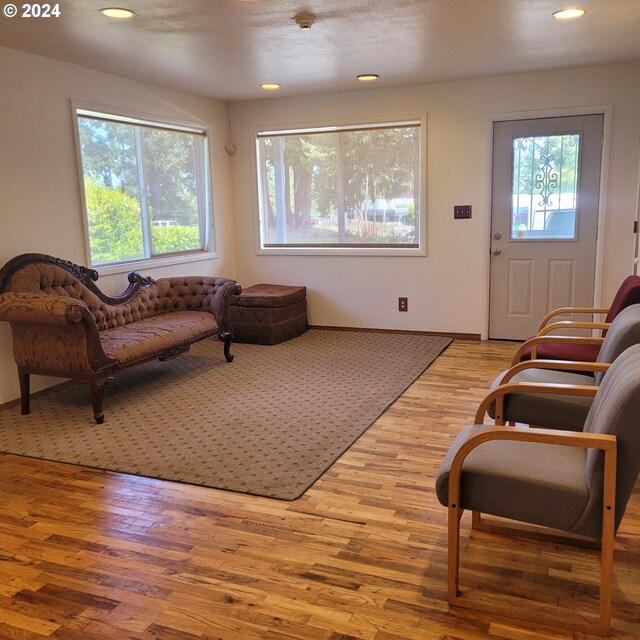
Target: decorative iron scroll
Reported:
[(547, 179)]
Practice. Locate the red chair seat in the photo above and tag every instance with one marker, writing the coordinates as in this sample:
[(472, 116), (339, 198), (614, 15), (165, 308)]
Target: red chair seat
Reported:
[(563, 351), (627, 294)]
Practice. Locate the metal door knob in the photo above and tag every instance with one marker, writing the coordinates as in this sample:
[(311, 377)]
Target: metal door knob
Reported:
[(497, 252)]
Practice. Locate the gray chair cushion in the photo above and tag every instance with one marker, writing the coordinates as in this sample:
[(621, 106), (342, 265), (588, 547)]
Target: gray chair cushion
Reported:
[(553, 485), (563, 411), (615, 410), (551, 411), (530, 482), (623, 333)]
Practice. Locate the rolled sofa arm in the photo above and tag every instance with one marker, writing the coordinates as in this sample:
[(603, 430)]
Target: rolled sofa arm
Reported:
[(39, 308), (221, 302), (53, 334)]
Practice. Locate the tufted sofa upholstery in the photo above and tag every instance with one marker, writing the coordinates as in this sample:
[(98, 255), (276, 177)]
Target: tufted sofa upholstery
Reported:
[(63, 325)]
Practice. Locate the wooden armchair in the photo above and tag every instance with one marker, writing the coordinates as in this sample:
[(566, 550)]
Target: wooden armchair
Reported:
[(544, 346), (558, 393), (571, 486)]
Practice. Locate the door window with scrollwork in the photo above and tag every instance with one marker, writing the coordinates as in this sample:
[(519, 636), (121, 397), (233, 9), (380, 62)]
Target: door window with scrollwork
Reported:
[(544, 188)]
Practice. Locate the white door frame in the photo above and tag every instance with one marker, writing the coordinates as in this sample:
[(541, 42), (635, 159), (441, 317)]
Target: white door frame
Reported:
[(636, 258), (607, 111)]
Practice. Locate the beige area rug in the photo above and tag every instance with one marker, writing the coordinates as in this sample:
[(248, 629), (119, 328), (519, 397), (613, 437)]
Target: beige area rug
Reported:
[(270, 423)]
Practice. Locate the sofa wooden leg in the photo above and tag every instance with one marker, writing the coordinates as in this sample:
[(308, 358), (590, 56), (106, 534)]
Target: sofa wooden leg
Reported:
[(25, 405), (226, 338)]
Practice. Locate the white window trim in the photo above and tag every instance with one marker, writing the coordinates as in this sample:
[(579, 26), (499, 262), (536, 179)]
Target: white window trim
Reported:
[(420, 251), (152, 263), (209, 252)]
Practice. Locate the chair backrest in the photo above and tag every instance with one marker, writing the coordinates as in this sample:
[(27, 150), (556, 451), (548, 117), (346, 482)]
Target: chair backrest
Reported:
[(615, 410), (623, 333), (628, 294)]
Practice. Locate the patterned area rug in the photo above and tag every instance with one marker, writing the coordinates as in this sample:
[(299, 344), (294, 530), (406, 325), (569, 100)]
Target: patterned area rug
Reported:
[(269, 424)]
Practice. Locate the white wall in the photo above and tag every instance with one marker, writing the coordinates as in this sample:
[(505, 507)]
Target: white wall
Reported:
[(40, 208), (447, 289)]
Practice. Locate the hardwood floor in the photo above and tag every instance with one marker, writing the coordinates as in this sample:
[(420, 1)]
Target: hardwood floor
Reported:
[(86, 554)]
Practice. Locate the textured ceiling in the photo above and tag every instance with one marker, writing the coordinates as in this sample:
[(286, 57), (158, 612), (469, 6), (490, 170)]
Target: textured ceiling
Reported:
[(226, 48)]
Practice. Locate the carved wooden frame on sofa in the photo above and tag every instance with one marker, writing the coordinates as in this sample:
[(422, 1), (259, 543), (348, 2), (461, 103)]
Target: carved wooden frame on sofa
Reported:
[(64, 325)]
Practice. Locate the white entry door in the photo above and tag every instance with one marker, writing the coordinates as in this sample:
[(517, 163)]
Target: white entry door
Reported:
[(544, 219)]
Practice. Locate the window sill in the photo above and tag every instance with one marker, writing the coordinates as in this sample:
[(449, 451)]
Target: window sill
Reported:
[(337, 251), (152, 263)]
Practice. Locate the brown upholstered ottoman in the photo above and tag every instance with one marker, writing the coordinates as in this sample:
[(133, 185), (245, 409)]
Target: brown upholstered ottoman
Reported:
[(269, 313)]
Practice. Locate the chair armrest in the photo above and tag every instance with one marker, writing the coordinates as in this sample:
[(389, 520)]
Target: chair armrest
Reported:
[(605, 442), (556, 365), (562, 310), (534, 342), (572, 324), (501, 391)]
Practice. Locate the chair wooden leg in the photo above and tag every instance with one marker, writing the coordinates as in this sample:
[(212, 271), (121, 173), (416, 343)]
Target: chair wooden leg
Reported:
[(606, 579), (453, 539), (608, 534), (499, 411), (453, 559), (25, 399), (511, 528)]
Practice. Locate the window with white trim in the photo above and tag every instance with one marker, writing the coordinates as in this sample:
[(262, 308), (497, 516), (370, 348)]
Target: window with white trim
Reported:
[(345, 188), (146, 188)]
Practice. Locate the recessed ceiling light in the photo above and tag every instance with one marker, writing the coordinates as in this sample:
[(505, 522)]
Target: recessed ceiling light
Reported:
[(367, 77), (117, 12), (270, 86), (568, 14)]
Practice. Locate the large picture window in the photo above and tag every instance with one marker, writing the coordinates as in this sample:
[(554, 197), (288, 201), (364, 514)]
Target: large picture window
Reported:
[(145, 188), (343, 188)]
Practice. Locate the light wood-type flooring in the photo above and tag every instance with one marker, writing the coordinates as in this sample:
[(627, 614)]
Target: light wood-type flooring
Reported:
[(86, 554)]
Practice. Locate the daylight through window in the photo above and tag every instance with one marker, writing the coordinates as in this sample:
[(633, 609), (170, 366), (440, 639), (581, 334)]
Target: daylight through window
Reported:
[(545, 187), (145, 188), (353, 188)]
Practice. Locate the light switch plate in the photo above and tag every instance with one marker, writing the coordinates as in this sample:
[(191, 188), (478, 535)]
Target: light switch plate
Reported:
[(461, 211)]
